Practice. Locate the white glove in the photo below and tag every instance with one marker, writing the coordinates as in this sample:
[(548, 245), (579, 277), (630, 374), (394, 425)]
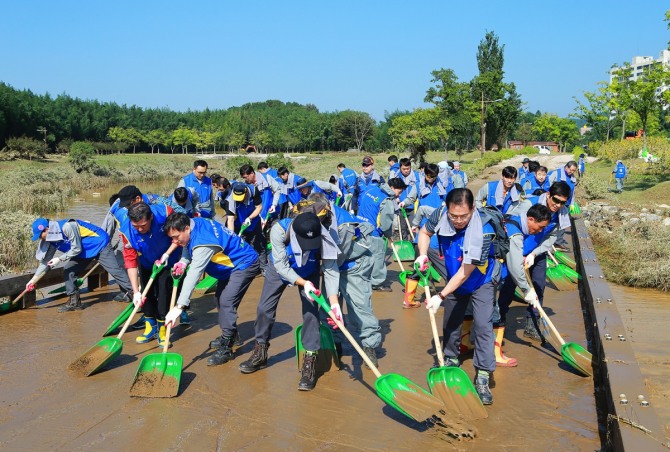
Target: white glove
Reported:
[(423, 262), (337, 312), (53, 262), (529, 260), (163, 260), (247, 222), (271, 209), (434, 303), (172, 316), (310, 288), (138, 300), (352, 212), (401, 204), (531, 298)]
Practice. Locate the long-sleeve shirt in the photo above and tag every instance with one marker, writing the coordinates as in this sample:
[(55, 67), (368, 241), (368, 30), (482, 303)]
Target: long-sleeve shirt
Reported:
[(197, 262), (71, 231)]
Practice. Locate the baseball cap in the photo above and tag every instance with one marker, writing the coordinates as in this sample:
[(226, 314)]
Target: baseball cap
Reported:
[(39, 225), (367, 161), (127, 194), (526, 160), (307, 228), (457, 163), (442, 164), (239, 190)]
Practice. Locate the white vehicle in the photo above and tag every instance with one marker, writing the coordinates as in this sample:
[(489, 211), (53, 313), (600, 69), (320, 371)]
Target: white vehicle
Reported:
[(542, 149)]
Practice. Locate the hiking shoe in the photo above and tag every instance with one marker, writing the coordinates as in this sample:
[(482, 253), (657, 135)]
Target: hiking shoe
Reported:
[(531, 331), (372, 354), (223, 354), (382, 288), (258, 359), (482, 388), (217, 343), (411, 304), (139, 324), (308, 372), (73, 304), (449, 362), (184, 319), (122, 297)]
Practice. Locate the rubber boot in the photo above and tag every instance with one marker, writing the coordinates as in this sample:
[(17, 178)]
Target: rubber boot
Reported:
[(73, 304), (501, 359), (466, 345), (161, 333), (411, 285), (150, 331), (482, 387), (308, 372), (258, 359)]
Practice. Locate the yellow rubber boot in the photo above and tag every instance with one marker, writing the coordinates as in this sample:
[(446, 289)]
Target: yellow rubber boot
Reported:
[(466, 342), (501, 359), (161, 333), (410, 291), (150, 331)]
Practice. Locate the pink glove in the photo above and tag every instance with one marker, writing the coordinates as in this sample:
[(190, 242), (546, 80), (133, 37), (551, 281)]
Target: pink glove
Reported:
[(423, 262), (163, 260), (337, 312), (138, 300), (178, 269), (30, 286)]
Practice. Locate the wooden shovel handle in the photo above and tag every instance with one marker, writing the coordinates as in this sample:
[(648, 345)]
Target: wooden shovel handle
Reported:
[(137, 308), (88, 273), (25, 291), (395, 253), (553, 258), (409, 228), (544, 314), (436, 335), (169, 326)]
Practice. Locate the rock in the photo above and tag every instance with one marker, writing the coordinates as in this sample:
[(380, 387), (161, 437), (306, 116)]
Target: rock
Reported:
[(587, 223), (644, 210), (663, 206), (634, 220), (626, 214), (650, 217), (666, 222), (611, 209)]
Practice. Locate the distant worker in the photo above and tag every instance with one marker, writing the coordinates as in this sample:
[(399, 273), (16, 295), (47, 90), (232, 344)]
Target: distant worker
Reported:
[(581, 165), (620, 172), (394, 167), (458, 172), (202, 186), (523, 169)]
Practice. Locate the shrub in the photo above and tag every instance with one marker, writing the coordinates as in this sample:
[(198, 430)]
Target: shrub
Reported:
[(81, 156), (17, 250), (232, 166), (23, 148), (277, 160), (594, 187)]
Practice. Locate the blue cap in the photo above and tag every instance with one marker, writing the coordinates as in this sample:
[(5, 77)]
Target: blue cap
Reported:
[(39, 226)]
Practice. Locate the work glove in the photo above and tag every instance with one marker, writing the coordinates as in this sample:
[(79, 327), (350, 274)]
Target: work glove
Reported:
[(53, 262), (138, 300), (337, 312), (271, 210), (434, 303), (163, 260), (529, 260), (178, 269), (30, 285), (415, 229), (247, 222), (531, 299), (401, 204), (422, 262), (310, 288), (172, 316)]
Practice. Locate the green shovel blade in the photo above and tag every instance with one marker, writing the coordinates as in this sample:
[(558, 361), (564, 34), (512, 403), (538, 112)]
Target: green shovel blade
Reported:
[(120, 320), (577, 357), (158, 375), (61, 289), (453, 387), (407, 397), (565, 259), (327, 353), (97, 356), (207, 283), (405, 250), (558, 279)]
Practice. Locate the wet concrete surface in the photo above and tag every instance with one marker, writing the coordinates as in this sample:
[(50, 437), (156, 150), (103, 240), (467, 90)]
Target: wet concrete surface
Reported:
[(541, 404)]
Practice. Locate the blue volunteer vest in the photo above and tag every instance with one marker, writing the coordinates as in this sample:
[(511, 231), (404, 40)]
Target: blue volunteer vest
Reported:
[(561, 176), (620, 171), (312, 261), (232, 254), (433, 199), (369, 206), (460, 173), (534, 184), (411, 182), (522, 173), (347, 180), (204, 190), (93, 239), (244, 210), (151, 245), (553, 222), (530, 241), (581, 165), (121, 213), (491, 199), (452, 249)]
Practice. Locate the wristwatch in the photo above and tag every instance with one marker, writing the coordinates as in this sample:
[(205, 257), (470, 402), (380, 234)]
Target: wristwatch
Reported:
[(439, 294)]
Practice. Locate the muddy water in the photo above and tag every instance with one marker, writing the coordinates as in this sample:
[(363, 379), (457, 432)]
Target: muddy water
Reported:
[(646, 315)]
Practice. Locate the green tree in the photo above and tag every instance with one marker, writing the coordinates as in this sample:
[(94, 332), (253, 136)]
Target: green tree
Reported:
[(418, 131), (154, 138), (564, 131), (82, 156), (600, 111)]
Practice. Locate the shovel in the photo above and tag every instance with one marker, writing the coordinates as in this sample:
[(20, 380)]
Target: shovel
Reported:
[(206, 283), (404, 248), (409, 227), (451, 384), (569, 273), (6, 306), (79, 281), (326, 355), (159, 374), (564, 259), (120, 320), (401, 393), (110, 347), (574, 354), (556, 274)]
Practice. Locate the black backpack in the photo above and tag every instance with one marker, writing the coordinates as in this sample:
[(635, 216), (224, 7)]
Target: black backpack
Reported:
[(500, 243)]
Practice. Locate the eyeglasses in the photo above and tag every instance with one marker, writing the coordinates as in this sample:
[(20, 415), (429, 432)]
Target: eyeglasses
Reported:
[(459, 217), (555, 200)]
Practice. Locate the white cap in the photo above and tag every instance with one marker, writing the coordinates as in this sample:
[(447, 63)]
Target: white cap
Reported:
[(442, 164)]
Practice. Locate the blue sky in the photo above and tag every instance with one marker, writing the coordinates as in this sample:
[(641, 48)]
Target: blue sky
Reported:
[(373, 56)]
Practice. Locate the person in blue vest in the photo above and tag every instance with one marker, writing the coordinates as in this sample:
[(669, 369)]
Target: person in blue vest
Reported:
[(523, 169), (208, 246), (377, 205), (581, 165), (505, 194), (145, 243), (530, 238), (431, 190), (301, 248), (620, 172), (79, 242), (565, 174), (347, 184), (269, 189), (459, 172), (243, 208), (536, 182), (368, 178), (411, 179), (466, 245), (186, 201), (290, 194), (332, 191), (202, 186), (555, 201), (355, 264), (394, 167)]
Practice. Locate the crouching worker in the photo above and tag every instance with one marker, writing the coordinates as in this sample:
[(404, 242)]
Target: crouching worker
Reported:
[(81, 242), (466, 244), (210, 247), (301, 247), (144, 243)]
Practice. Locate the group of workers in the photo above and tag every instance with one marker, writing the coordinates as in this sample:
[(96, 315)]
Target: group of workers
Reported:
[(326, 236)]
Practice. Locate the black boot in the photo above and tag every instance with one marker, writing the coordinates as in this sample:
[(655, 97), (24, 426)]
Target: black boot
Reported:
[(216, 343), (73, 304), (223, 354), (531, 331), (372, 354), (258, 359), (308, 372)]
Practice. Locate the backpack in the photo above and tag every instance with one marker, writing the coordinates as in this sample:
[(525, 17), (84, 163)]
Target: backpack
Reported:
[(492, 215)]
